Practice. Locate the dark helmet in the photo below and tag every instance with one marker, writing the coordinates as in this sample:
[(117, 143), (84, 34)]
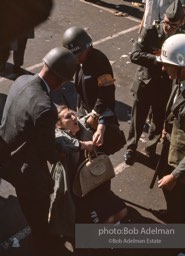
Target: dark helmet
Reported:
[(76, 39), (62, 62)]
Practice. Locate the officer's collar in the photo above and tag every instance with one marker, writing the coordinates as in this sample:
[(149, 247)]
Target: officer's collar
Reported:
[(45, 85)]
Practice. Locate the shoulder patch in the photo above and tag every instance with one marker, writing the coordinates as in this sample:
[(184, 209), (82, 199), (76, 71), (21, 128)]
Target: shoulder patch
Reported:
[(105, 80)]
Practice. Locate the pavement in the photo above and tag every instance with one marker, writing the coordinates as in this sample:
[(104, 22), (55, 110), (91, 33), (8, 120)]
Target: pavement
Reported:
[(113, 26)]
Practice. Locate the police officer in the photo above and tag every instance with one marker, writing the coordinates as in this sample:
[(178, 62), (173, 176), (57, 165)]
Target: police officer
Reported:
[(94, 80), (173, 61), (151, 86), (28, 128)]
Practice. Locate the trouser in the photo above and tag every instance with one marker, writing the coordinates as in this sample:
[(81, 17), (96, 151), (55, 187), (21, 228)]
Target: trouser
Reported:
[(144, 100), (18, 54), (175, 199), (4, 54), (36, 214)]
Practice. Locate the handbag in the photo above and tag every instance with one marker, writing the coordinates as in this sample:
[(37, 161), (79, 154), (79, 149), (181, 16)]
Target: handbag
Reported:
[(96, 169)]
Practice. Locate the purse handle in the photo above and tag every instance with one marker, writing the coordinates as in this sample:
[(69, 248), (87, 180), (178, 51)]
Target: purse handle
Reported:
[(88, 155)]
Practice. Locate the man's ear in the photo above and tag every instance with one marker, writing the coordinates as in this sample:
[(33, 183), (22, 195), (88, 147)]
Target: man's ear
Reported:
[(58, 124)]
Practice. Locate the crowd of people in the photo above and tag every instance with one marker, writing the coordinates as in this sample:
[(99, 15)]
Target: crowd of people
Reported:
[(152, 77), (149, 79), (36, 133)]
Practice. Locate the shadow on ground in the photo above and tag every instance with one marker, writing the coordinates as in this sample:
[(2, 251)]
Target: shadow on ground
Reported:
[(134, 217), (123, 111), (11, 75), (124, 8), (145, 160)]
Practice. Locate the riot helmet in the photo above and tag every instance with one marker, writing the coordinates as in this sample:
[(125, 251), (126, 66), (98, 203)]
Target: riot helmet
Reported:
[(173, 51), (76, 39), (62, 62)]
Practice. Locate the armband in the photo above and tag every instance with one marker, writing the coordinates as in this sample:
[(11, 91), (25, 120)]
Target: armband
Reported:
[(105, 80)]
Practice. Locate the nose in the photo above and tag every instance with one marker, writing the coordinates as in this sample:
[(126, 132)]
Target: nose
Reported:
[(73, 117)]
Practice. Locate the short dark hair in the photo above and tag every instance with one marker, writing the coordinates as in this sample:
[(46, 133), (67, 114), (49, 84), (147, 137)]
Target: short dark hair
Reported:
[(61, 108)]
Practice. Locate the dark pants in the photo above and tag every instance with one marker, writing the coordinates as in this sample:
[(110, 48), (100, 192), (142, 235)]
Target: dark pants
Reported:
[(175, 199), (36, 214), (147, 98), (18, 54), (176, 204)]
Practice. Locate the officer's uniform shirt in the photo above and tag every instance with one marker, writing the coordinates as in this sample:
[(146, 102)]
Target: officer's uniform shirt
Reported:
[(150, 71), (177, 142), (95, 83), (152, 38), (181, 29)]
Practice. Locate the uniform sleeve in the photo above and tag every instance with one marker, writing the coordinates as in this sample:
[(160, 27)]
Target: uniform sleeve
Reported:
[(106, 87), (181, 117), (45, 136), (66, 143), (105, 98), (179, 171), (143, 50)]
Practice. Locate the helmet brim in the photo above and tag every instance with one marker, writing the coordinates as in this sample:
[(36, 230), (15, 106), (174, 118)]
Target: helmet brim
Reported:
[(81, 50), (159, 59)]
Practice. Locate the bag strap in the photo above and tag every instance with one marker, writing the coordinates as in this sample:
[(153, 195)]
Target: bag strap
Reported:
[(88, 155)]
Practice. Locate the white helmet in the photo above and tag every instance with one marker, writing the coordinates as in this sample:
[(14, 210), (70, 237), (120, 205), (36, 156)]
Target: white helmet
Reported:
[(173, 50)]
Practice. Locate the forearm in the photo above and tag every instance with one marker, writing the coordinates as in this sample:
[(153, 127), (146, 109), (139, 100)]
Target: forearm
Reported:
[(86, 145), (65, 143), (144, 59), (144, 50), (178, 174), (105, 99)]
